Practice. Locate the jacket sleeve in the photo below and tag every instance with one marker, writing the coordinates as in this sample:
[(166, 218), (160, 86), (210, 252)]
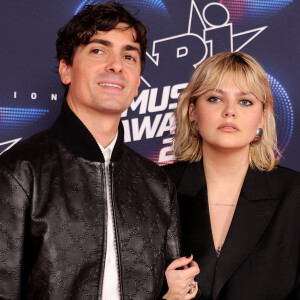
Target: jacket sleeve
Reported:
[(174, 233), (13, 204)]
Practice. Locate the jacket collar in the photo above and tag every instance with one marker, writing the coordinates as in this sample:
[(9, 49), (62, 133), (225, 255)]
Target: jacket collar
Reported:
[(254, 212), (193, 179), (256, 184), (75, 136)]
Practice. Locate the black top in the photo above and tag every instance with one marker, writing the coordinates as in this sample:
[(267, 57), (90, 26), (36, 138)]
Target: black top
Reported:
[(260, 256)]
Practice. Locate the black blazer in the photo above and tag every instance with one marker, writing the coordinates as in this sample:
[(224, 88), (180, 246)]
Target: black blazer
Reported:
[(260, 257)]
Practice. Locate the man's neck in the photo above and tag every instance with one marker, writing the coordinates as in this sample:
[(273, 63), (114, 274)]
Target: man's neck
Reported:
[(104, 138), (103, 127)]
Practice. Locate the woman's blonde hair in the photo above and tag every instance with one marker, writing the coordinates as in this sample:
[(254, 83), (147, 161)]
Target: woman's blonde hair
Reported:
[(210, 74)]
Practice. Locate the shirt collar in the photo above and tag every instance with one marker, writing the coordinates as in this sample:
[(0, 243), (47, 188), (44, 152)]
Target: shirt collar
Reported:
[(109, 149)]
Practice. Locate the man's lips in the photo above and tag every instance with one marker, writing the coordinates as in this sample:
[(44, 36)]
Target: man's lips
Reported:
[(112, 85)]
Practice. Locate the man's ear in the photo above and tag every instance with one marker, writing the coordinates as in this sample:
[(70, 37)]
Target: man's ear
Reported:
[(64, 72)]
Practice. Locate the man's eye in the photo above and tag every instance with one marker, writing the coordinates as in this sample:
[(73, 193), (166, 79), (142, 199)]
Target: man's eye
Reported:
[(130, 57), (245, 102), (97, 51), (214, 99)]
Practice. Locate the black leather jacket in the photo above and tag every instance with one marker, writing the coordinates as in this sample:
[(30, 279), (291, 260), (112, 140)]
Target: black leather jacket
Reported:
[(53, 217)]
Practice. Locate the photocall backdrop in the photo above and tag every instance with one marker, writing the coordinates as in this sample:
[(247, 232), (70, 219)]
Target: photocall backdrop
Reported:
[(181, 35)]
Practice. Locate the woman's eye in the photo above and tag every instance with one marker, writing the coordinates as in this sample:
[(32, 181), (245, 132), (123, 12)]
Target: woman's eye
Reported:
[(245, 102), (214, 99), (97, 51)]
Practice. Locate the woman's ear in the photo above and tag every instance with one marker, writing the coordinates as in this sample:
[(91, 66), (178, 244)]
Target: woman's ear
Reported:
[(192, 112), (262, 121)]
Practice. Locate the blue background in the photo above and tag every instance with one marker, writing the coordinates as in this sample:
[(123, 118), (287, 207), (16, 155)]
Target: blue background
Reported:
[(29, 68)]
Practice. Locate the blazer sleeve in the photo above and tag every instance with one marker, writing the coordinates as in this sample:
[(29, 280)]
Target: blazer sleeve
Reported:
[(13, 207), (173, 247), (174, 240), (296, 292)]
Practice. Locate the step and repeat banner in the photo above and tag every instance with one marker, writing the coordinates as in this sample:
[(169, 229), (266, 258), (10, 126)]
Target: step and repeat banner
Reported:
[(182, 34)]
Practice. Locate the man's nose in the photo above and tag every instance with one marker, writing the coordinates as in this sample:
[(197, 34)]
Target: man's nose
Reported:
[(114, 64)]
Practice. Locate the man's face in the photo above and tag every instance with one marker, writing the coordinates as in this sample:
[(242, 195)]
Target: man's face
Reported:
[(105, 74)]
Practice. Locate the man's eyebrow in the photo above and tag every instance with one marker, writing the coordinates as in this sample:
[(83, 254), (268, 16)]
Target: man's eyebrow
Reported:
[(109, 44), (100, 41), (132, 48)]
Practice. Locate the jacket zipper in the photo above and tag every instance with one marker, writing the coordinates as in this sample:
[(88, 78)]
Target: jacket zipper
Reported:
[(117, 243), (101, 277)]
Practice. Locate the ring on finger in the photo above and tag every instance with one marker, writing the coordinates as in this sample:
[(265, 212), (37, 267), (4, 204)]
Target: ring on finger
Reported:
[(192, 288)]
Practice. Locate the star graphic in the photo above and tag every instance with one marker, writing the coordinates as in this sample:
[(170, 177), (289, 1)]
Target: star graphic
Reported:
[(4, 146)]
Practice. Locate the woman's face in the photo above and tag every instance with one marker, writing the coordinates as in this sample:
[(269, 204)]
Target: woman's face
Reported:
[(228, 118)]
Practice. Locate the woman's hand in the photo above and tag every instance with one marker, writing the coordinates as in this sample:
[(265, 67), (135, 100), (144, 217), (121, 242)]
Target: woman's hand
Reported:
[(180, 277)]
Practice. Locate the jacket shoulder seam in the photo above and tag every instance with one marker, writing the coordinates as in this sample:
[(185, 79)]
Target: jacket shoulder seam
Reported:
[(15, 179)]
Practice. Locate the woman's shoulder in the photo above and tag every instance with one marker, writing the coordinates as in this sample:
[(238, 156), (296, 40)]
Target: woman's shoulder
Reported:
[(181, 165), (277, 179), (284, 181), (175, 171), (285, 174)]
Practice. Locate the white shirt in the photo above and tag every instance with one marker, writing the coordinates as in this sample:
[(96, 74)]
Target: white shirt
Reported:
[(110, 290)]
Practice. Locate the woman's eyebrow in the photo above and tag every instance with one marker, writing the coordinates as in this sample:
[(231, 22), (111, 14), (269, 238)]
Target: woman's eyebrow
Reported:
[(240, 93)]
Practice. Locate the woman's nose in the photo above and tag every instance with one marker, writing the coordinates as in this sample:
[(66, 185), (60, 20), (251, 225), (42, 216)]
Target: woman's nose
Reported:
[(229, 114), (229, 111)]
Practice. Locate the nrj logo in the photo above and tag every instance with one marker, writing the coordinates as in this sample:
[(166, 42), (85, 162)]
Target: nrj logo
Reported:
[(169, 67), (208, 32)]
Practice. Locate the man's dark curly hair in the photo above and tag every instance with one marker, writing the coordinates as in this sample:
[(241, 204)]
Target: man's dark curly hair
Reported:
[(93, 18)]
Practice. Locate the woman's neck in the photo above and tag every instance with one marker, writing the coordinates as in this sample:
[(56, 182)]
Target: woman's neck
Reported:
[(226, 167), (225, 172)]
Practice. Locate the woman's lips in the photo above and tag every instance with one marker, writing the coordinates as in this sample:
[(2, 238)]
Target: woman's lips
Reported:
[(228, 127)]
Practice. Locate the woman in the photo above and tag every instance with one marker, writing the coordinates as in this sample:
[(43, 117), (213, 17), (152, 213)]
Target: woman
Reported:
[(239, 210)]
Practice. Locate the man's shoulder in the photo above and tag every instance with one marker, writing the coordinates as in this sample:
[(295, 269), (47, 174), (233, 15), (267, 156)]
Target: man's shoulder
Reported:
[(135, 156), (144, 164), (28, 149)]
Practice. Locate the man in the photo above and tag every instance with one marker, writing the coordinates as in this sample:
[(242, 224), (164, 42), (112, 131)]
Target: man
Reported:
[(82, 216)]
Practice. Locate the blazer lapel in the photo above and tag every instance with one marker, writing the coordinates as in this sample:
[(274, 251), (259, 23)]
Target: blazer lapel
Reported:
[(193, 179), (254, 211)]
